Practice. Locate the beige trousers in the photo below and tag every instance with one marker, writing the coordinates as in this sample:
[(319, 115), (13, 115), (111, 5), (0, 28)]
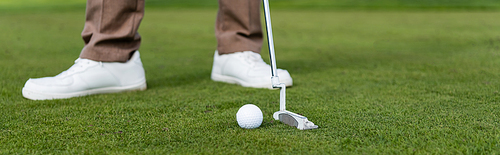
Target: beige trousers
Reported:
[(110, 32)]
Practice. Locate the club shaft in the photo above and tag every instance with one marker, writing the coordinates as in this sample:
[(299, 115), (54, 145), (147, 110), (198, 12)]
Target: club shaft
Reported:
[(270, 40)]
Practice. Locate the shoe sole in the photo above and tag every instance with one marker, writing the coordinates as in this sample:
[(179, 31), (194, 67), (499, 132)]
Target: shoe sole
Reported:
[(34, 95), (233, 80)]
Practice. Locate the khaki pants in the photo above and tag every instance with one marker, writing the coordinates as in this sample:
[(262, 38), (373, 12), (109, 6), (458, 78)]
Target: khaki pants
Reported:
[(110, 32)]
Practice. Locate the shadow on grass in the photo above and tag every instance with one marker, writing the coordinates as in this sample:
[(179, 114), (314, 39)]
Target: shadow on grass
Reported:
[(178, 80)]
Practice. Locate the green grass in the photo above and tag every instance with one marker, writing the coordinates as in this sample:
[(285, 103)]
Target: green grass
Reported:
[(376, 82)]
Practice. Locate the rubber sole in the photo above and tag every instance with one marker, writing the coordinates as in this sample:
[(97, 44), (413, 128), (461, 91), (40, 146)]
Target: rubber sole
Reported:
[(233, 80), (36, 95)]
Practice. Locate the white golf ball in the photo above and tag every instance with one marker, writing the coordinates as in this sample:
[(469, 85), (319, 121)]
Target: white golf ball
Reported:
[(249, 116)]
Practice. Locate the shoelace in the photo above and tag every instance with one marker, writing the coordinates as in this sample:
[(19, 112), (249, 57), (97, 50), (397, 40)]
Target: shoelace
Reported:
[(254, 59), (80, 64)]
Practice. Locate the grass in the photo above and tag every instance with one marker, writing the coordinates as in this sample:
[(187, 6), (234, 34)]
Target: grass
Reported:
[(376, 82)]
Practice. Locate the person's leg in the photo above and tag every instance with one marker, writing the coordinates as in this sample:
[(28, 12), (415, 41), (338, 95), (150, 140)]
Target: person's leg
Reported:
[(109, 61), (239, 35), (238, 27), (110, 31)]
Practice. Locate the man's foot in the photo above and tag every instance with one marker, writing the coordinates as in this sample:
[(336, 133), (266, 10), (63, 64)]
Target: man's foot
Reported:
[(246, 69), (87, 77)]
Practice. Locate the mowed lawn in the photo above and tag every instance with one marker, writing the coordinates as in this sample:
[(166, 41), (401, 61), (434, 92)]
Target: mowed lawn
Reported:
[(386, 82)]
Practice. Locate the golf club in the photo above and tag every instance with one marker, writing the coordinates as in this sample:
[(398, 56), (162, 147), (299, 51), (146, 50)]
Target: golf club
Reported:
[(283, 115)]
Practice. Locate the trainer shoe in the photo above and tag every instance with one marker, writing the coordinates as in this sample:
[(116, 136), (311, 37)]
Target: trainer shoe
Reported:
[(246, 69), (87, 77)]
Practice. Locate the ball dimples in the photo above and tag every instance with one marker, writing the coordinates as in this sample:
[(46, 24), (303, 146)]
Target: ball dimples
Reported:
[(249, 116)]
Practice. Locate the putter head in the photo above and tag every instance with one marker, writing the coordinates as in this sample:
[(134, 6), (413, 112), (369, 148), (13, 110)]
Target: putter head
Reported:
[(294, 119)]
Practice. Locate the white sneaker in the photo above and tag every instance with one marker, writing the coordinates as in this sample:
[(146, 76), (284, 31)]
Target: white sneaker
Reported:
[(246, 69), (88, 77)]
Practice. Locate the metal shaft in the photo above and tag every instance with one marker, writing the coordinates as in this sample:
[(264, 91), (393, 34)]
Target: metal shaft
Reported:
[(283, 115), (270, 40), (274, 71)]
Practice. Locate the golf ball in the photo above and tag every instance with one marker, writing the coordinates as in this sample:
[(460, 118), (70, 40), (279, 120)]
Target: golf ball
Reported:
[(249, 116)]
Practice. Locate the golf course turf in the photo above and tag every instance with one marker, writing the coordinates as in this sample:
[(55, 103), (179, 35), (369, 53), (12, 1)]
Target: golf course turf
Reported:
[(395, 81)]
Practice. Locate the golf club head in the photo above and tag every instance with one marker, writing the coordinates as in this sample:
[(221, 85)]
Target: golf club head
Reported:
[(294, 119)]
